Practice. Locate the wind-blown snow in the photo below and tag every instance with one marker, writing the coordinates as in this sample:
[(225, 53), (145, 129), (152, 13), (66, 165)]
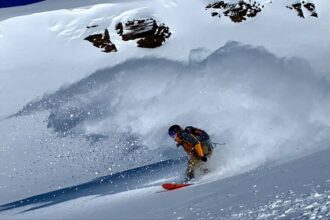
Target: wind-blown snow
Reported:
[(264, 107)]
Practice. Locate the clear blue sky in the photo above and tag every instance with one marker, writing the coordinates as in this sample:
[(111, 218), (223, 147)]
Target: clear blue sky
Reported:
[(11, 3)]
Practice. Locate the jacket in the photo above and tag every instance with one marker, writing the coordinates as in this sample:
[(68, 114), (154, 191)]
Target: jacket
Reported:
[(191, 143)]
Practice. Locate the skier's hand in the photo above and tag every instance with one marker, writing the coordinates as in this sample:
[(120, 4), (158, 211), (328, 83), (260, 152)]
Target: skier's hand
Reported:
[(204, 159)]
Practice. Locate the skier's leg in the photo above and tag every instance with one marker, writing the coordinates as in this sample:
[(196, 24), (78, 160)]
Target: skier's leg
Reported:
[(190, 172)]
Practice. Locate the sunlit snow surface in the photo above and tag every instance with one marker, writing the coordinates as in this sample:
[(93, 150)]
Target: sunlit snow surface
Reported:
[(72, 116)]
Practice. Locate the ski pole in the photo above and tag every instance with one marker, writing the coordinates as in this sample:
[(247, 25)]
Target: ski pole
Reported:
[(215, 144), (218, 143)]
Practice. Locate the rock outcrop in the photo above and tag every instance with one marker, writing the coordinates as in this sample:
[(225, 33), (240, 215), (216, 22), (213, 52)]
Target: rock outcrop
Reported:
[(237, 12), (92, 26), (147, 32), (298, 7), (102, 41)]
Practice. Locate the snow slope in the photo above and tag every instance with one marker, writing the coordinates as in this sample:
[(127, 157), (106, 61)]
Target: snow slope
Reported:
[(299, 189), (71, 113), (66, 57)]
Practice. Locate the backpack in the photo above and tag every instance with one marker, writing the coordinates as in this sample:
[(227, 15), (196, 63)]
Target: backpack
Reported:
[(198, 133)]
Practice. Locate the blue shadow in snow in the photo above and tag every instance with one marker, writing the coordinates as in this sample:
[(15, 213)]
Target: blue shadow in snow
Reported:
[(119, 182), (13, 3)]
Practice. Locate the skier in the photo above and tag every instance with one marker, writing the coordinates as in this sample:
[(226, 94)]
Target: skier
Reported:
[(197, 145)]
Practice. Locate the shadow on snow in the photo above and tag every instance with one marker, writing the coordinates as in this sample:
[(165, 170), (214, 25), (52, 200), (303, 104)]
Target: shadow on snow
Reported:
[(119, 182)]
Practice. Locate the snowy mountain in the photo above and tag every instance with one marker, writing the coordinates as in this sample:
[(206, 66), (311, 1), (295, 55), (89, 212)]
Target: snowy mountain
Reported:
[(89, 88)]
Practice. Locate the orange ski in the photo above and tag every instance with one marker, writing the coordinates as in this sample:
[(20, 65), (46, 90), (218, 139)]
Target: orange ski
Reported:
[(172, 186)]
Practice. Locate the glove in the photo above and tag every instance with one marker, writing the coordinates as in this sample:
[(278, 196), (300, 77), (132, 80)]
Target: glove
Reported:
[(204, 159)]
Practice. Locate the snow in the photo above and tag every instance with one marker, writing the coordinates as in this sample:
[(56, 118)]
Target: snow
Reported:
[(284, 191), (76, 114), (132, 137), (66, 57)]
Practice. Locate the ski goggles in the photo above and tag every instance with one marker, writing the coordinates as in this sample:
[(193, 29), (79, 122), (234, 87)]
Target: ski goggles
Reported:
[(172, 134)]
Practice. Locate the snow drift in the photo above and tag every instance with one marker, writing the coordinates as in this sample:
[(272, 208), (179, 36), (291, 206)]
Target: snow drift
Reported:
[(256, 102)]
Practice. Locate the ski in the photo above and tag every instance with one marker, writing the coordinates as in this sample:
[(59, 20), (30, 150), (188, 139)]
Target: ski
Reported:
[(173, 186)]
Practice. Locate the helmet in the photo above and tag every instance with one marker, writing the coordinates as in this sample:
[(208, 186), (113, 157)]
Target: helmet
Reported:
[(174, 129)]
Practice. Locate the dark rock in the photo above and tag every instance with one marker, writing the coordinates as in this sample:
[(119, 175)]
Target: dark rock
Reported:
[(120, 28), (217, 5), (311, 8), (237, 12), (102, 41), (110, 48), (298, 8), (92, 26), (215, 14), (149, 33)]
